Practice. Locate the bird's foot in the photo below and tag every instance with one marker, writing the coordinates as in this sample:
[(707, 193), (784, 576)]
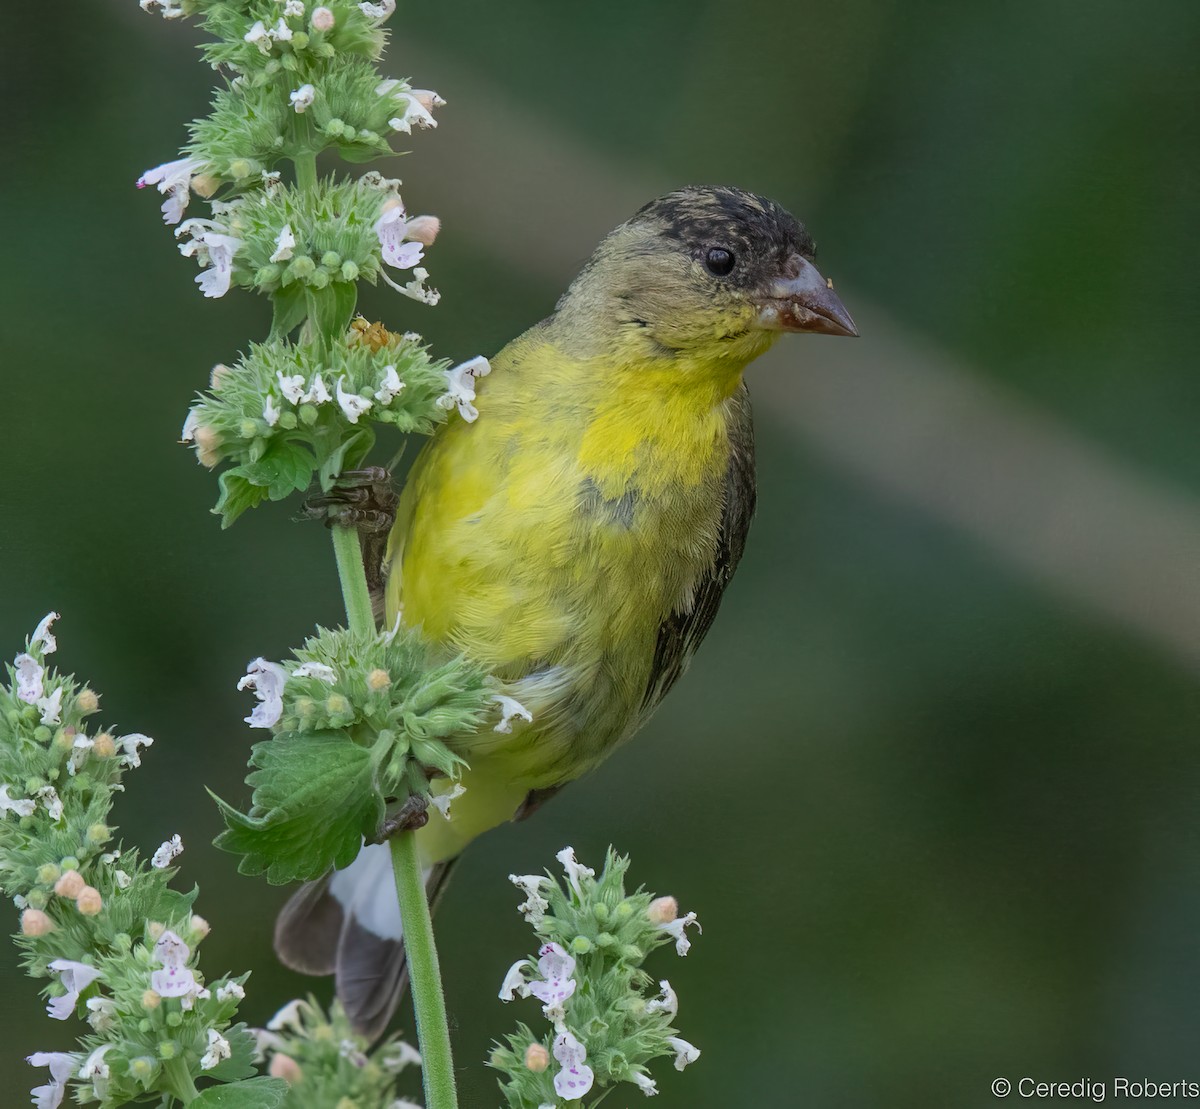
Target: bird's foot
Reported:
[(413, 814), (362, 499)]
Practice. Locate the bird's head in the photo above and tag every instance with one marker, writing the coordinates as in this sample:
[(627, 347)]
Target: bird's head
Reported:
[(707, 273)]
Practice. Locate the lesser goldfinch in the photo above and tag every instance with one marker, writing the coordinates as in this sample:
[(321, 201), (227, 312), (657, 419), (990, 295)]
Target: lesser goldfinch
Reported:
[(577, 537)]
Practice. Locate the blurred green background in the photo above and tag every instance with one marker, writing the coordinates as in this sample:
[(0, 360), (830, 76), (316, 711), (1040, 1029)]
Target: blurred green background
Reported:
[(932, 784)]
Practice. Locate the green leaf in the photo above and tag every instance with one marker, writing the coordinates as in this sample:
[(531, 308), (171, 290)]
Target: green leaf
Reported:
[(348, 453), (291, 309), (315, 797), (237, 495), (255, 1093), (242, 1052), (333, 307), (284, 468)]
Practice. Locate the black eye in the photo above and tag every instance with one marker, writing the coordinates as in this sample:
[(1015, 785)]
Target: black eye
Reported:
[(720, 261)]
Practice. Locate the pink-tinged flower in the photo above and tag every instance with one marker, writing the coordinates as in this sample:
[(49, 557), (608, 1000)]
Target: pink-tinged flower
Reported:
[(556, 985), (576, 1077), (61, 1067), (75, 978), (30, 678), (174, 181), (174, 980), (392, 231), (266, 679)]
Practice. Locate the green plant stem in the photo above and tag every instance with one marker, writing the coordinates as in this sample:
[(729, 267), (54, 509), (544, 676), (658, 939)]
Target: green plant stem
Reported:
[(429, 1004), (348, 551), (179, 1081), (306, 171)]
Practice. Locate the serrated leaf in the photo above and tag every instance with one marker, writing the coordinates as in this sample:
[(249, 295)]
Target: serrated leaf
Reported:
[(345, 455), (315, 797), (237, 495), (242, 1051), (284, 468), (255, 1093)]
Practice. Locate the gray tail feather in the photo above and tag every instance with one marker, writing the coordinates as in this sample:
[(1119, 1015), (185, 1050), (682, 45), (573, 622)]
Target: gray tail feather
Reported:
[(316, 933)]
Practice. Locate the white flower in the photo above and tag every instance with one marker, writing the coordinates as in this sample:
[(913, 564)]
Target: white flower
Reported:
[(79, 753), (293, 9), (213, 247), (259, 36), (285, 241), (460, 388), (174, 180), (102, 1013), (575, 870), (270, 412), (389, 387), (218, 1049), (514, 984), (291, 386), (95, 1070), (131, 745), (42, 635), (442, 801), (391, 229), (122, 879), (267, 680), (351, 403), (535, 905), (379, 11), (668, 1003), (231, 990), (30, 676), (644, 1083), (188, 432), (61, 1067), (350, 1051), (415, 113), (576, 1077), (174, 980), (685, 1052), (12, 804), (75, 978), (281, 32), (556, 985), (396, 1056), (318, 392), (302, 98), (510, 710), (288, 1019), (316, 670), (676, 928), (50, 802), (168, 850), (416, 288), (323, 19), (51, 707)]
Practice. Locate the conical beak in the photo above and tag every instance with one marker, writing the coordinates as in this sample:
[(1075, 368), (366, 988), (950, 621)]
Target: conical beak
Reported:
[(806, 302)]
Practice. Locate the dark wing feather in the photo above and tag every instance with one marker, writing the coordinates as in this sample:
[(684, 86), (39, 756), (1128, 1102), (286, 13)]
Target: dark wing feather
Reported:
[(682, 632)]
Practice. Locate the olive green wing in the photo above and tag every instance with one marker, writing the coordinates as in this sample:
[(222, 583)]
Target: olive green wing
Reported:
[(683, 631)]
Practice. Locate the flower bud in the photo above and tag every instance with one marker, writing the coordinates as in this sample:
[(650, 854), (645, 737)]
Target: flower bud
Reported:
[(240, 168), (174, 1020), (299, 42), (423, 229), (67, 862), (378, 680), (308, 414), (319, 279), (99, 833), (143, 1068), (332, 259), (205, 184), (37, 899), (168, 1049), (623, 911), (87, 701), (89, 902), (288, 421), (581, 945), (336, 704), (284, 1066), (219, 373), (151, 999), (663, 910), (200, 927), (70, 884), (349, 271), (208, 442), (537, 1058), (42, 734), (155, 930), (34, 922), (323, 19), (48, 874)]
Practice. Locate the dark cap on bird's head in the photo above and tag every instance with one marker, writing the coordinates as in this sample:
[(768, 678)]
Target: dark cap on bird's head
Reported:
[(704, 265)]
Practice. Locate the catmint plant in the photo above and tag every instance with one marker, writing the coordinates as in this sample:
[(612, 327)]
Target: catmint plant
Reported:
[(608, 1018)]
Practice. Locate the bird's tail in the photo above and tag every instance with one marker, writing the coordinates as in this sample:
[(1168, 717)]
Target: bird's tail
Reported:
[(348, 924)]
